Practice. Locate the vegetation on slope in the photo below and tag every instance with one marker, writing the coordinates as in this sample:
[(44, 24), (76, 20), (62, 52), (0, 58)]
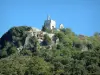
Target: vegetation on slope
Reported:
[(73, 55)]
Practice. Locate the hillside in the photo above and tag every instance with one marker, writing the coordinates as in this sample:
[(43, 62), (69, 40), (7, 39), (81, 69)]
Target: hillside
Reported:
[(29, 51)]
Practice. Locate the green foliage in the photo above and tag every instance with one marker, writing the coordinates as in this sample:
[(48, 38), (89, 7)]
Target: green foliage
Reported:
[(25, 52), (38, 66), (25, 65), (60, 46), (3, 53), (60, 35), (14, 36), (67, 31), (47, 40), (33, 44), (64, 58), (96, 34), (12, 50), (46, 30)]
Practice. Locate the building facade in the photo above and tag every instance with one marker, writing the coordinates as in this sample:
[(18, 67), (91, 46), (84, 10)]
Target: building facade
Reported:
[(50, 24), (61, 26)]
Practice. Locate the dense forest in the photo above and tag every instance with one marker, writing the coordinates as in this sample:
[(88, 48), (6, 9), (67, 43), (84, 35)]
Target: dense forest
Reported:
[(72, 55)]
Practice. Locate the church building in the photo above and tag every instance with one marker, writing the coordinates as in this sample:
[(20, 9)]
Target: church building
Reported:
[(50, 24)]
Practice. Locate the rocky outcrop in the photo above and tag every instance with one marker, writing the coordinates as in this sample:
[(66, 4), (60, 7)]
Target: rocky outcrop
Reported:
[(24, 37), (15, 36), (40, 36)]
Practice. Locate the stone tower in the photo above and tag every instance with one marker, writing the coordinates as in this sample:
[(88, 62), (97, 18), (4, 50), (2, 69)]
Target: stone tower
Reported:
[(49, 23), (61, 26)]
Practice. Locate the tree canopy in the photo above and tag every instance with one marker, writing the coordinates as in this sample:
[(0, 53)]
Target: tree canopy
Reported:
[(72, 55)]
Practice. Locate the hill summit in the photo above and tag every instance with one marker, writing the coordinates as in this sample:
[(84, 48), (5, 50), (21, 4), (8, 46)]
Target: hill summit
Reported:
[(29, 51)]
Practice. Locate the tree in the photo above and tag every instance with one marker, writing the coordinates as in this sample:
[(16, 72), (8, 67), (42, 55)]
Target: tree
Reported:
[(78, 68), (44, 28), (96, 34), (26, 52), (32, 44), (60, 46), (67, 31), (12, 50), (61, 36), (37, 66), (3, 53), (47, 40)]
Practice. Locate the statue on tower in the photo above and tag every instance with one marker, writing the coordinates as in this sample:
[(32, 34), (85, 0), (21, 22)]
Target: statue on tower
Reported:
[(49, 23), (48, 17)]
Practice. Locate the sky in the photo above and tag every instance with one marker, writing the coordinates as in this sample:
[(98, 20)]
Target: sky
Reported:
[(82, 16)]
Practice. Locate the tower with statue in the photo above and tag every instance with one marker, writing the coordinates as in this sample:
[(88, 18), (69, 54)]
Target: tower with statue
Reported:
[(51, 24)]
